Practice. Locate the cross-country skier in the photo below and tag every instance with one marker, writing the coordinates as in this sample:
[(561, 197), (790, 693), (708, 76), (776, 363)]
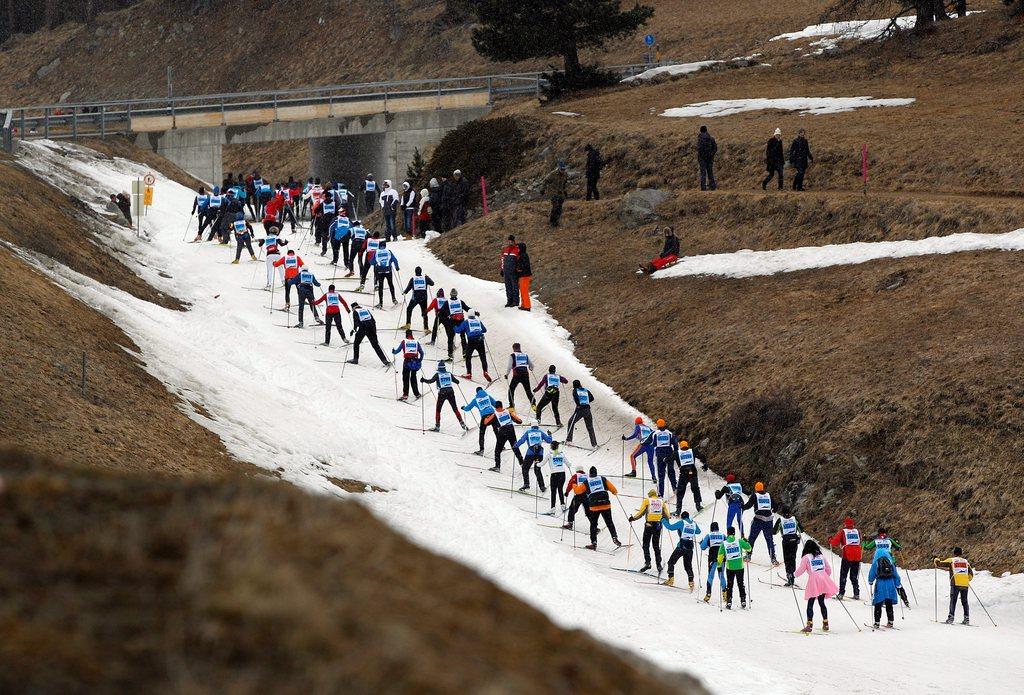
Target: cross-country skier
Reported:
[(652, 511), (445, 394), (534, 438), (712, 542), (665, 452), (292, 263), (483, 403), (599, 505), (731, 553), (418, 284), (243, 237), (323, 218), (334, 302), (505, 422), (304, 288), (519, 366), (452, 314), (960, 575), (882, 541), (688, 530), (473, 329), (356, 249), (733, 493), (436, 305), (201, 204), (364, 326), (367, 257), (641, 433), (551, 383), (790, 529), (578, 485), (688, 476), (819, 584), (341, 236), (412, 358), (886, 580), (848, 539), (764, 512), (583, 399), (271, 244), (383, 261), (557, 465)]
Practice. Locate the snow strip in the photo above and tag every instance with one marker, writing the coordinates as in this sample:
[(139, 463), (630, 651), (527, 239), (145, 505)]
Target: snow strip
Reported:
[(277, 404), (805, 105), (570, 114), (747, 263), (861, 30), (671, 70)]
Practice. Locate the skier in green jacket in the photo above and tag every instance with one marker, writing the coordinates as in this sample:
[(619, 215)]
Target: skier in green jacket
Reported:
[(731, 553)]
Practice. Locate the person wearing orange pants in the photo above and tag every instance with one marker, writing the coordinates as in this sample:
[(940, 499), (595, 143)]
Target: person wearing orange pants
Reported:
[(525, 274)]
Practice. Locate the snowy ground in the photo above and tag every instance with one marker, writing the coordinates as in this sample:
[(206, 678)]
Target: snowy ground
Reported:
[(747, 263), (805, 105), (280, 402), (671, 70)]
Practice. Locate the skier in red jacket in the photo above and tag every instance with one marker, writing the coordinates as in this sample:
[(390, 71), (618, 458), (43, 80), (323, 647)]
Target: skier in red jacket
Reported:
[(848, 539)]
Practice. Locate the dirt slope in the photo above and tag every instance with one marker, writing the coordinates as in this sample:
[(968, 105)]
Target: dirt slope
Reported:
[(122, 583), (332, 42)]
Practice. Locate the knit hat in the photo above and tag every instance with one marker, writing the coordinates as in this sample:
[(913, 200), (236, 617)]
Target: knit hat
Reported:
[(730, 478), (778, 131), (759, 486), (848, 522), (652, 493), (660, 423), (639, 421)]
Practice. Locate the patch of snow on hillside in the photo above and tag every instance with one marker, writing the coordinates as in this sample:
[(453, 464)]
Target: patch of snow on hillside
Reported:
[(805, 105), (747, 263), (671, 70)]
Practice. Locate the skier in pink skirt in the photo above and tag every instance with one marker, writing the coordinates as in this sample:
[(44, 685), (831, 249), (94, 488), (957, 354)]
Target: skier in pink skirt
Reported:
[(819, 583)]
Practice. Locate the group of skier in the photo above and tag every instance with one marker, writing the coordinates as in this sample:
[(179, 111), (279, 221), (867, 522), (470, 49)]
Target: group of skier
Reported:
[(668, 456)]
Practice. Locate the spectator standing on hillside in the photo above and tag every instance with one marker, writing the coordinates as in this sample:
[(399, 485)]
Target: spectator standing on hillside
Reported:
[(775, 159), (437, 204), (524, 271), (458, 200), (423, 213), (555, 186), (408, 207), (593, 171), (707, 148), (800, 158), (389, 207), (509, 257)]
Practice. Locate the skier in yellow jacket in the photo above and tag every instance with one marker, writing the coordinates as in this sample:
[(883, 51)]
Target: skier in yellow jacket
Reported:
[(653, 508), (960, 575)]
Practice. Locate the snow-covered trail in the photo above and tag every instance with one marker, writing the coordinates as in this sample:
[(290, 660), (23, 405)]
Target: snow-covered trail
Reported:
[(747, 263), (277, 404)]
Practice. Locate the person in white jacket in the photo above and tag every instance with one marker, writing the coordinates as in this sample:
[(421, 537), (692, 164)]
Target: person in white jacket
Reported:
[(408, 208), (557, 463), (389, 201)]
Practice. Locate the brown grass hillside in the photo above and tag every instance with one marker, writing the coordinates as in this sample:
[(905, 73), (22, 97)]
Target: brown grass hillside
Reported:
[(125, 583)]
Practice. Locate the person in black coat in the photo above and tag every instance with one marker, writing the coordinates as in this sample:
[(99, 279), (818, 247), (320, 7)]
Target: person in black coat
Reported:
[(593, 171), (800, 158), (707, 148), (775, 160)]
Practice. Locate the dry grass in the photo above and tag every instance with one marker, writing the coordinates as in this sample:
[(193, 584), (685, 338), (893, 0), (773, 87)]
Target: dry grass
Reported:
[(120, 583)]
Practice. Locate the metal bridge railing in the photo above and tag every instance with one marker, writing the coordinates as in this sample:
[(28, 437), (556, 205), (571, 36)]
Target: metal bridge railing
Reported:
[(114, 117)]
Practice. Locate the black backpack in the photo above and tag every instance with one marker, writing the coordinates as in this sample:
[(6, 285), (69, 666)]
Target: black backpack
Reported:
[(884, 570)]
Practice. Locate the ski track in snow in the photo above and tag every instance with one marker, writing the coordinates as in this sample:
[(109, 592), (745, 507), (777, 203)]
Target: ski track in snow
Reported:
[(814, 106), (747, 263), (274, 406)]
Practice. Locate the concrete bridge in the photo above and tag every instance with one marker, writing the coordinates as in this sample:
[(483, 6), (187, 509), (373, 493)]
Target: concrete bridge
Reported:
[(352, 129)]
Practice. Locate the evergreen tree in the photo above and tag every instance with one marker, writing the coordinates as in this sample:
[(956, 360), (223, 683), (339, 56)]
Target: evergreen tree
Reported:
[(522, 29), (414, 172)]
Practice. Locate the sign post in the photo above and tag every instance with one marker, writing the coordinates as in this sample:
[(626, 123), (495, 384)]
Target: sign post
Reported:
[(650, 42)]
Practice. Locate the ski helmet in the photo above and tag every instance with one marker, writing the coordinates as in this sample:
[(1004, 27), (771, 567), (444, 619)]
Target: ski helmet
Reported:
[(535, 422), (441, 366), (660, 422), (730, 478), (683, 444), (239, 216), (758, 486), (639, 421)]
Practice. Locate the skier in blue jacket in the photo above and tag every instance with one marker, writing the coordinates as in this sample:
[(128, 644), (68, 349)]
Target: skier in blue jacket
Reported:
[(711, 542), (534, 438), (688, 530), (341, 233), (483, 403), (888, 589), (473, 329)]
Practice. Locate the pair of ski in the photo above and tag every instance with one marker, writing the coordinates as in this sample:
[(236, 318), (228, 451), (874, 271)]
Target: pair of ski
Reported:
[(780, 586), (397, 400), (590, 450)]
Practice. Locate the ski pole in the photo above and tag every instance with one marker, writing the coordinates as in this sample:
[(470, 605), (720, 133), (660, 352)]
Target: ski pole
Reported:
[(423, 412), (345, 358), (746, 581), (911, 583), (935, 576), (273, 286), (630, 525), (855, 624), (188, 226), (622, 461), (799, 614), (512, 479), (976, 597)]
